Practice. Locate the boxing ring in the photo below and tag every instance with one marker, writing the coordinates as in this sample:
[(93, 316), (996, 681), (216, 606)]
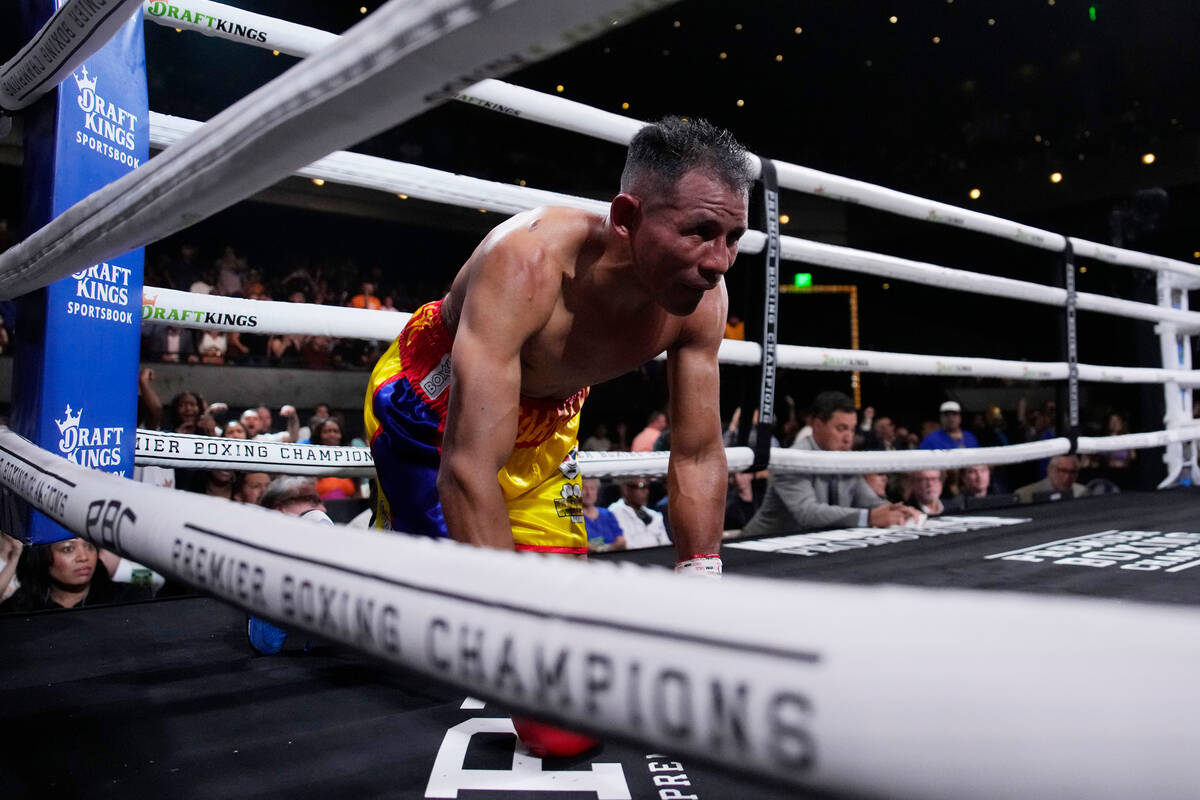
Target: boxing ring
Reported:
[(879, 690)]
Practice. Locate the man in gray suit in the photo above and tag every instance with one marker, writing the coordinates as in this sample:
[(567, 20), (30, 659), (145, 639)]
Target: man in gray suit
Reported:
[(799, 501)]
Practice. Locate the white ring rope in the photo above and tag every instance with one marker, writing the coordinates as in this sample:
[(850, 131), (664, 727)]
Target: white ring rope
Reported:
[(409, 56), (212, 312), (163, 449), (678, 665), (73, 33), (226, 22), (215, 313)]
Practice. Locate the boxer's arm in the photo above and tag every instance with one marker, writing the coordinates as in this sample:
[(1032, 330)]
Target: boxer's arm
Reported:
[(697, 474), (507, 301)]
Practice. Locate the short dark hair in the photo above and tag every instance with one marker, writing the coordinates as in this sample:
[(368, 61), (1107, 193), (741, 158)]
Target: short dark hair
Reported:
[(662, 152), (826, 403)]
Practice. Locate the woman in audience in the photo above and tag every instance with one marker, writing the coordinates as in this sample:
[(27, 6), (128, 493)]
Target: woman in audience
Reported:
[(67, 574), (327, 431)]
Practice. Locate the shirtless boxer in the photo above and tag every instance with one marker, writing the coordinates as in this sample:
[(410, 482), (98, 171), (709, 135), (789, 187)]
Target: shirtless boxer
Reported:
[(481, 446)]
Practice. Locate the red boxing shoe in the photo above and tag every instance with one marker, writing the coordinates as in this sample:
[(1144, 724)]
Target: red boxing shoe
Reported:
[(546, 740)]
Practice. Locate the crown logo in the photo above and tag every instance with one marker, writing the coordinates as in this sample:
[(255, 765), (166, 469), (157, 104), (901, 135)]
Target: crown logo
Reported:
[(70, 422), (149, 299), (86, 83)]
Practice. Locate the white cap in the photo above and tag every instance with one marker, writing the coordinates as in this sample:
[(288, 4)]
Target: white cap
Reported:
[(950, 405)]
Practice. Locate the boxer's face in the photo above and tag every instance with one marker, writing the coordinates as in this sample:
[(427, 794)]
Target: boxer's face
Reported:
[(688, 239)]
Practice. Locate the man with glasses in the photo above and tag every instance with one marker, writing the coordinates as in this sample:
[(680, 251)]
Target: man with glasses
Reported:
[(1059, 483)]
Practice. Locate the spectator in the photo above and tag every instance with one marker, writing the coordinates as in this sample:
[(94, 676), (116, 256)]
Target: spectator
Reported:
[(248, 487), (882, 436), (976, 481), (10, 557), (327, 432), (213, 346), (740, 501), (641, 526), (644, 441), (925, 493), (1115, 465), (170, 344), (735, 327), (229, 273), (186, 409), (809, 501), (214, 483), (603, 530), (622, 433), (366, 297), (234, 429), (951, 435), (258, 424), (598, 440), (67, 574), (296, 497), (878, 482), (1058, 484)]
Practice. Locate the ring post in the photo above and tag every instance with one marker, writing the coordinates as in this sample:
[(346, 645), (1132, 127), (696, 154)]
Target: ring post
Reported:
[(1180, 457), (77, 346)]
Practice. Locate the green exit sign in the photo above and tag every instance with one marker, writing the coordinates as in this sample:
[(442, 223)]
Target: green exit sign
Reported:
[(802, 280)]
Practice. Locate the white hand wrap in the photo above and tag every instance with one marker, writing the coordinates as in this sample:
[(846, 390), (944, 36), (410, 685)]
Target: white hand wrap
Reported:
[(706, 565)]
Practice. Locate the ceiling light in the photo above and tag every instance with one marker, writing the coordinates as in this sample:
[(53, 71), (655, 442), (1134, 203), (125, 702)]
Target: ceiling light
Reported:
[(319, 181), (797, 30), (1037, 137), (1056, 177), (558, 88), (975, 193), (784, 219), (483, 211), (1083, 269), (737, 27), (402, 196), (362, 9), (779, 57), (521, 182), (624, 106), (937, 40), (1148, 158), (741, 103), (274, 52), (722, 56), (676, 23), (893, 19), (179, 30), (991, 21), (1196, 254)]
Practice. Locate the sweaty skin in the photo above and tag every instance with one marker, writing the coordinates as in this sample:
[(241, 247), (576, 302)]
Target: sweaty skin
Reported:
[(557, 299)]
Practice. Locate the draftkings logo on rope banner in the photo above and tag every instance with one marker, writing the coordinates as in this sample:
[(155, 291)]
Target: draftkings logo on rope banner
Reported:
[(153, 310), (88, 447), (185, 15), (107, 128)]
